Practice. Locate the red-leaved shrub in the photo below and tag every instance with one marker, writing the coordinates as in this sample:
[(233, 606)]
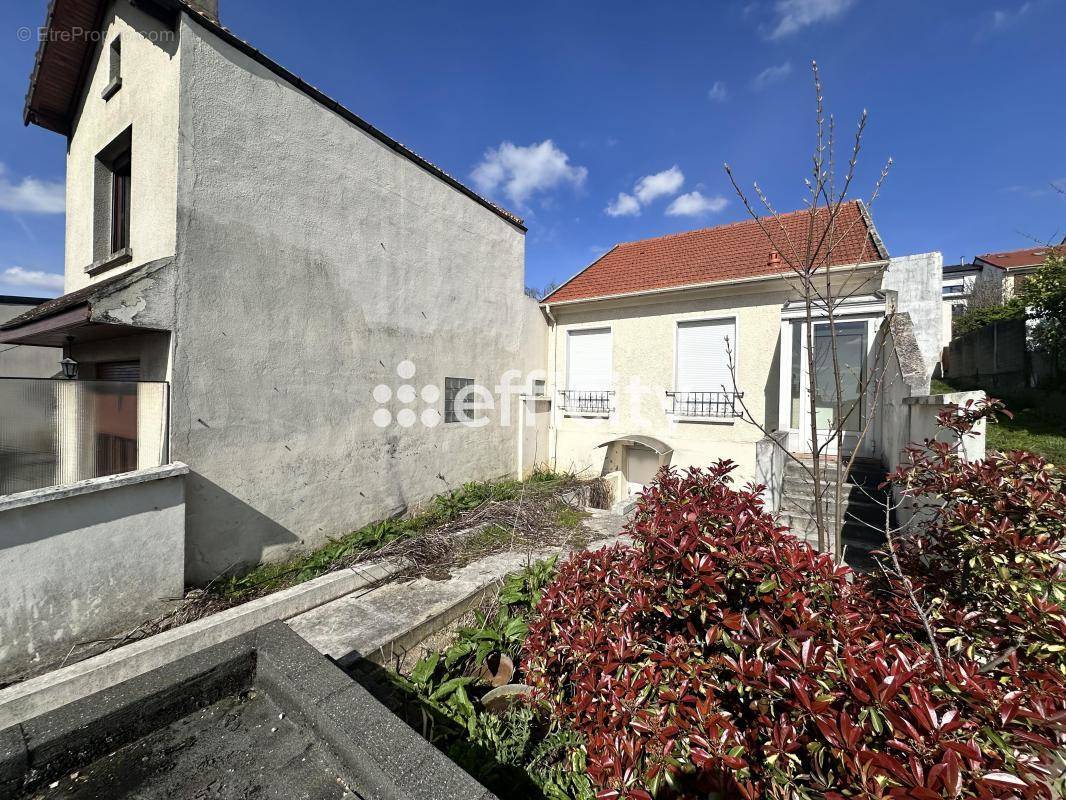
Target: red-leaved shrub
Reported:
[(721, 654)]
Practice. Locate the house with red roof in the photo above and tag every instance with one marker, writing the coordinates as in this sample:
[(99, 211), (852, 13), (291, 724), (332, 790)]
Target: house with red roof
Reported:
[(1005, 273), (689, 348)]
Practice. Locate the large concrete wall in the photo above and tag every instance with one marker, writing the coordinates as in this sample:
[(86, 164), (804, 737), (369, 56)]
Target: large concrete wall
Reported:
[(87, 561), (147, 101), (918, 283), (312, 261)]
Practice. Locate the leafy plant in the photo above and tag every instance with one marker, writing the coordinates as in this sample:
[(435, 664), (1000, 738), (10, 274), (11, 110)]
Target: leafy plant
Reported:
[(721, 654), (1044, 293), (518, 753), (980, 316)]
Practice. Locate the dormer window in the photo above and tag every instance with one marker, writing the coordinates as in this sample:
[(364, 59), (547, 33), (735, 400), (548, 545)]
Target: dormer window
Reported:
[(115, 55)]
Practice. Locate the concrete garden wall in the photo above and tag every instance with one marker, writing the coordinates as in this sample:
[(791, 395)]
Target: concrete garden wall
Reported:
[(918, 283), (88, 560)]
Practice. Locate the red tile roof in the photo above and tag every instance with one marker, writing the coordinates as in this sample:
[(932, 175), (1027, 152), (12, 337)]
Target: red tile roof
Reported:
[(1018, 259), (725, 253)]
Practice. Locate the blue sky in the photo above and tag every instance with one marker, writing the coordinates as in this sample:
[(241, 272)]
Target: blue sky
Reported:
[(602, 122)]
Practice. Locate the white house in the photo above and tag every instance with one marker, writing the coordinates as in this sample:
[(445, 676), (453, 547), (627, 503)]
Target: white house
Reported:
[(311, 291), (689, 348)]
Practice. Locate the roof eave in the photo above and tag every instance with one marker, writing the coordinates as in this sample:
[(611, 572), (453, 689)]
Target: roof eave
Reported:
[(864, 265)]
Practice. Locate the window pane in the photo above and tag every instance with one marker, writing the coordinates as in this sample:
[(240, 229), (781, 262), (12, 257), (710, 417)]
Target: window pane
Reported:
[(797, 372), (452, 387), (120, 203), (851, 360)]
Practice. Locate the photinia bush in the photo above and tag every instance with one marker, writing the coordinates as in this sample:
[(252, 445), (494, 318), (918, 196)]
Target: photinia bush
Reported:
[(720, 654)]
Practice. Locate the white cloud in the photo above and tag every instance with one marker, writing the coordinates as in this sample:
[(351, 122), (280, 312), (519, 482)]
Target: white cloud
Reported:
[(32, 278), (31, 196), (718, 93), (1004, 18), (625, 205), (522, 171), (695, 204), (794, 15), (658, 185), (771, 75), (645, 191)]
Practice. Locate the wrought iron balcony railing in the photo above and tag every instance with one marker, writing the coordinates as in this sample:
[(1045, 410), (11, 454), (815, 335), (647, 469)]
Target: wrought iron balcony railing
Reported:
[(586, 402), (705, 404)]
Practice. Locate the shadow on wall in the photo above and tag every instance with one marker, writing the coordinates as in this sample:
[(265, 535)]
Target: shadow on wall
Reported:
[(771, 394), (223, 533)]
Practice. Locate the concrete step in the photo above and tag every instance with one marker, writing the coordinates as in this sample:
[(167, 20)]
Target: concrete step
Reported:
[(803, 525), (804, 487), (863, 509), (862, 475)]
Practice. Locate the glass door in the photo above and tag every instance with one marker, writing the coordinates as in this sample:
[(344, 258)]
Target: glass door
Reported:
[(852, 357)]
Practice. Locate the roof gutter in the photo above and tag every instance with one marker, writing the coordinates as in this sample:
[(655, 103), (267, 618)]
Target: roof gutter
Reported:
[(866, 265)]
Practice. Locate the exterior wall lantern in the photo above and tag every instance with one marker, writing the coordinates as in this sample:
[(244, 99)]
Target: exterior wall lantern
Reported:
[(69, 365)]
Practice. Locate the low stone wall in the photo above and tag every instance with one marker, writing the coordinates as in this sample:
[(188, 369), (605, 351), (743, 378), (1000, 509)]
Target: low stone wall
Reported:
[(88, 560)]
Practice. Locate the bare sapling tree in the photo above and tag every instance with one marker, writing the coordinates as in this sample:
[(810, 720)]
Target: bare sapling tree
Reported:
[(816, 250)]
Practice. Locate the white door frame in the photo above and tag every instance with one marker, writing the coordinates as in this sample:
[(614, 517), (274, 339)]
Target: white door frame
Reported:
[(869, 309)]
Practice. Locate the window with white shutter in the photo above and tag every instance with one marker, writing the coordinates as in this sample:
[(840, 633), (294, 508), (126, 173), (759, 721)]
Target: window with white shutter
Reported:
[(704, 383), (588, 371), (588, 360)]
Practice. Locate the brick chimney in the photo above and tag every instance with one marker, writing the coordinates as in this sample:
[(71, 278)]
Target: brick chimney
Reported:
[(206, 7), (774, 260)]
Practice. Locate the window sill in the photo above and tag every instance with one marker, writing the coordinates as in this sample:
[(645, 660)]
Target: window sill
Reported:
[(705, 420), (587, 414), (117, 259), (111, 89)]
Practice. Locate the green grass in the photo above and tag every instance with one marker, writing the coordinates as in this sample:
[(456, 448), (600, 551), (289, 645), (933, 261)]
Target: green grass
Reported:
[(939, 386), (1035, 427), (571, 517), (1038, 426)]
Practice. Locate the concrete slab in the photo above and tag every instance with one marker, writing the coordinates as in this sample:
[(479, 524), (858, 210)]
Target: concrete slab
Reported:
[(392, 619), (55, 689), (261, 715)]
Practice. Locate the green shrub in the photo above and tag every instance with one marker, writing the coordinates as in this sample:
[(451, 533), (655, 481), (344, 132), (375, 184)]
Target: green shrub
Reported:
[(982, 316)]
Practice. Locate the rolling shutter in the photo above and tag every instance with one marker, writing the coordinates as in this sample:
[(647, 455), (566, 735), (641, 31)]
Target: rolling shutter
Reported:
[(702, 359), (119, 371), (588, 360)]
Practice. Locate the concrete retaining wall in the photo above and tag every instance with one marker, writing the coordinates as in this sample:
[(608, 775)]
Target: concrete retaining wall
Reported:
[(994, 357), (88, 560)]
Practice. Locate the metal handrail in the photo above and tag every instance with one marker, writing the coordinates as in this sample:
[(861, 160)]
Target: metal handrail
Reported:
[(705, 404), (586, 402)]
